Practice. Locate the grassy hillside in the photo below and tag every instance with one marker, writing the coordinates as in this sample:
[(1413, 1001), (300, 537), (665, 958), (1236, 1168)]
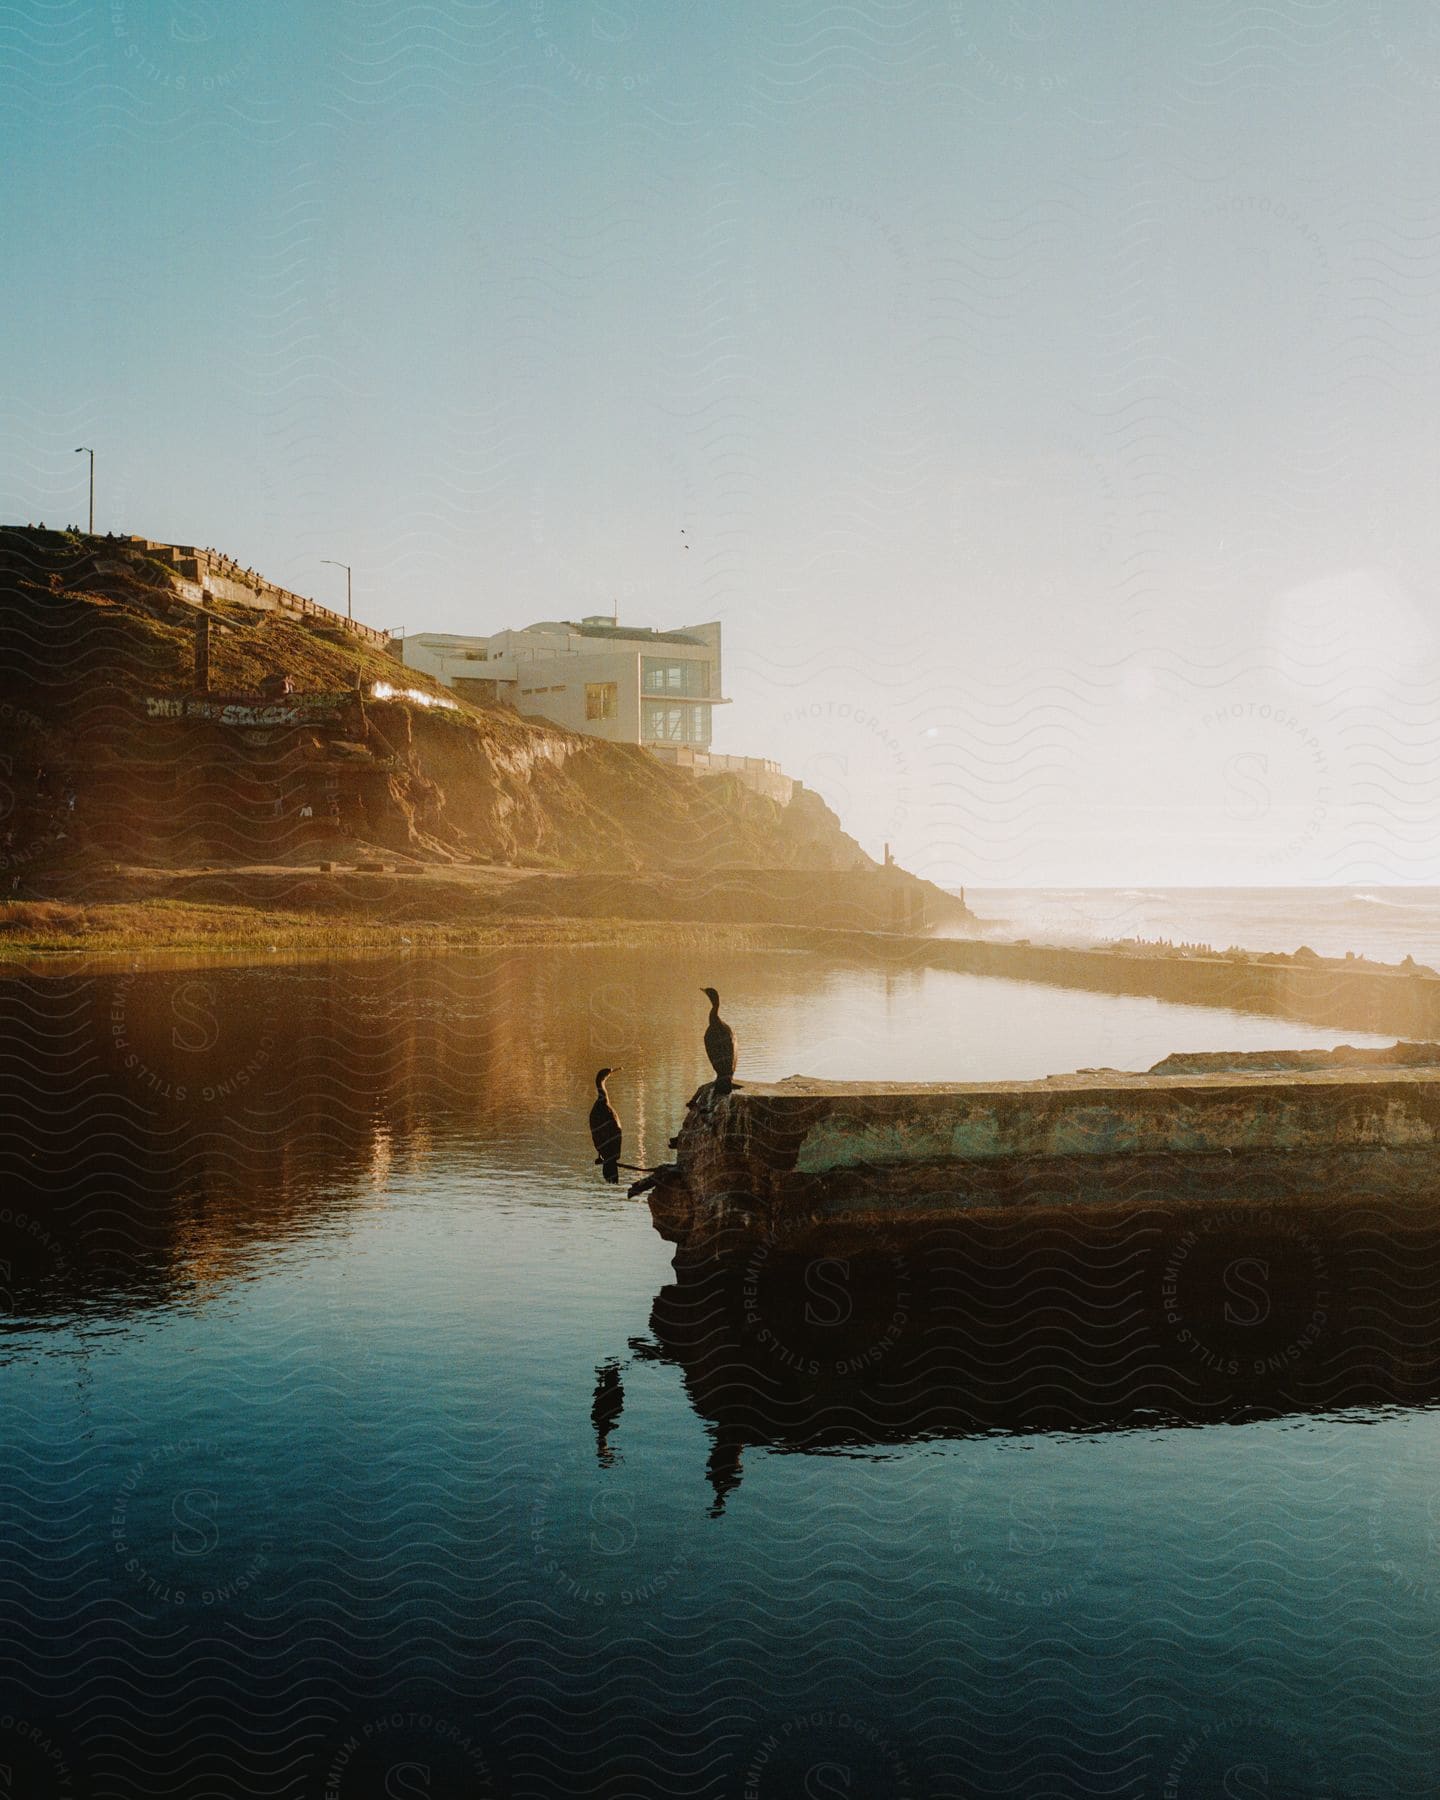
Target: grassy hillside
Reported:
[(90, 631)]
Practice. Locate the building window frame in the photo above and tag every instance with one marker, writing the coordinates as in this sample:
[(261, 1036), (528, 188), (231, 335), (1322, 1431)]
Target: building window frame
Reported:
[(602, 700), (676, 722), (686, 677)]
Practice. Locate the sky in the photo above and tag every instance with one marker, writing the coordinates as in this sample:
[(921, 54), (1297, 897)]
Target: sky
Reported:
[(1046, 391)]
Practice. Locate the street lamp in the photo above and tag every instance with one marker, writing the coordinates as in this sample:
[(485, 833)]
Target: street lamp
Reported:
[(349, 613), (85, 450)]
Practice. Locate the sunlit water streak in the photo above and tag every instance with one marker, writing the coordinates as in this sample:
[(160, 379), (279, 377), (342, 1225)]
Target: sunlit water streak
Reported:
[(310, 1488)]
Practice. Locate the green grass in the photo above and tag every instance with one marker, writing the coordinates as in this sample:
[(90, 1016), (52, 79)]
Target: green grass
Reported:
[(39, 928)]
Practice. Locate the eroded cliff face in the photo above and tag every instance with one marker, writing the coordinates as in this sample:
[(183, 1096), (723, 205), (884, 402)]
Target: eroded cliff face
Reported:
[(97, 655), (573, 802)]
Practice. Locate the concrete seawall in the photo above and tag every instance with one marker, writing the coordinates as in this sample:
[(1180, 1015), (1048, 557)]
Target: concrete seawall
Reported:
[(1352, 996), (780, 1158)]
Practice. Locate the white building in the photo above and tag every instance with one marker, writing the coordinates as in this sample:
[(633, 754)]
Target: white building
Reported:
[(627, 683)]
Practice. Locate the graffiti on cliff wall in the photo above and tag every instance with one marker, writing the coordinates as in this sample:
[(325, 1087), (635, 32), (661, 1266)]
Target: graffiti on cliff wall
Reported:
[(294, 710)]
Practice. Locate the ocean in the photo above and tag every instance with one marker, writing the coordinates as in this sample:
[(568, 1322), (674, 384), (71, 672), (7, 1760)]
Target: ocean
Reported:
[(1384, 923)]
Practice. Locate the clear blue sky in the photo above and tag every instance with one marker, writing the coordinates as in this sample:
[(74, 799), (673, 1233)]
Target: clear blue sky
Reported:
[(1048, 392)]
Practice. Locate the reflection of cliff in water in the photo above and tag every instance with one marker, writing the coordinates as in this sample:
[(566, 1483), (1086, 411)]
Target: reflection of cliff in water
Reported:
[(1061, 1323), (162, 1127)]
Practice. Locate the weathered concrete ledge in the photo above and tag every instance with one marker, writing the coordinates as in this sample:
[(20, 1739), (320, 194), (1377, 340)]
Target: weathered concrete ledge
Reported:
[(1307, 1124), (1353, 995)]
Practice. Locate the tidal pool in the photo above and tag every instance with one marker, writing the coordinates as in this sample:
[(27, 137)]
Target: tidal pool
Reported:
[(359, 1440)]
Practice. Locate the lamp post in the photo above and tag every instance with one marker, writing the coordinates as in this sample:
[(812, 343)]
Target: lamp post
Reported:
[(349, 613), (85, 450)]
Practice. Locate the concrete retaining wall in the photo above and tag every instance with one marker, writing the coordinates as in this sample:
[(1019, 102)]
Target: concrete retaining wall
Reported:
[(200, 574), (776, 1155), (1353, 996)]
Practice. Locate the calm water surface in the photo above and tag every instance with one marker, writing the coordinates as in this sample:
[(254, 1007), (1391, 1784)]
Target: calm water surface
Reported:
[(359, 1441)]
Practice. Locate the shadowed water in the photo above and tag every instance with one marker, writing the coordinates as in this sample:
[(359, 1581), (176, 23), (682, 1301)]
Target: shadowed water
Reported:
[(361, 1441)]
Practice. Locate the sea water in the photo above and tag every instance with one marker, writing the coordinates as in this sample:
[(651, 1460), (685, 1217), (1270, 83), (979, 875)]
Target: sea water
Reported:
[(1386, 924)]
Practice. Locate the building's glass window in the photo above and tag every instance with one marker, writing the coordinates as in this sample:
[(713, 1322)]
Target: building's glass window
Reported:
[(658, 676), (601, 699), (677, 724)]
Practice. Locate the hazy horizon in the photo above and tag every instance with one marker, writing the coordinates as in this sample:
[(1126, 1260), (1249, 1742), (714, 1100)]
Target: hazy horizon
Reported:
[(1047, 405)]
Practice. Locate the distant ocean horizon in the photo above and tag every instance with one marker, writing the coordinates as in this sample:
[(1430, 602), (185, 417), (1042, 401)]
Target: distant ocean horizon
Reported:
[(1384, 923)]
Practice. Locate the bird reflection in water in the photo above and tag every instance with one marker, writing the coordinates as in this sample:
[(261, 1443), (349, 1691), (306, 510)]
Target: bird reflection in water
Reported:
[(605, 1410), (723, 1467)]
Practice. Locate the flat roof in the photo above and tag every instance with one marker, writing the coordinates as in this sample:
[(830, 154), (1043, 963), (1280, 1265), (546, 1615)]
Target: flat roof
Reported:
[(645, 634)]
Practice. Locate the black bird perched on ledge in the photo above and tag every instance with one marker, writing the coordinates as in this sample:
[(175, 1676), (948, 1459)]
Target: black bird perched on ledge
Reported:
[(605, 1131), (719, 1045)]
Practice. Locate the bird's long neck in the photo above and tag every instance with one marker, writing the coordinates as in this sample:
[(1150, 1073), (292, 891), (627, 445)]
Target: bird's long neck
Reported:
[(715, 1007)]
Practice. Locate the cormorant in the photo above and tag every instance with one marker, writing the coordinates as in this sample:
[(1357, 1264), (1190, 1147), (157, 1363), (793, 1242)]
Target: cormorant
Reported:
[(719, 1045), (605, 1129)]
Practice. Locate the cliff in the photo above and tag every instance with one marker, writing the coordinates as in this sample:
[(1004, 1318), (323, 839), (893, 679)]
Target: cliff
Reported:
[(115, 750)]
